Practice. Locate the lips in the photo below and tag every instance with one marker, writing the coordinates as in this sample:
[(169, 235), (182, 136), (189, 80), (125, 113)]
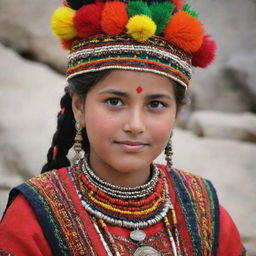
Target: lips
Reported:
[(131, 143), (131, 146)]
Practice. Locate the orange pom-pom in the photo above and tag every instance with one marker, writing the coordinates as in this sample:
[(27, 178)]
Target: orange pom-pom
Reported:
[(114, 18), (178, 4), (184, 31), (87, 20), (66, 44)]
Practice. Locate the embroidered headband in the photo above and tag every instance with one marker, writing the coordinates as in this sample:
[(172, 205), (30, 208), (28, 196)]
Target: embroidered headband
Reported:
[(163, 37)]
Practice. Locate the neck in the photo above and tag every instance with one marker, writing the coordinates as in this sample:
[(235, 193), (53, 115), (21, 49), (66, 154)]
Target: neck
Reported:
[(129, 178)]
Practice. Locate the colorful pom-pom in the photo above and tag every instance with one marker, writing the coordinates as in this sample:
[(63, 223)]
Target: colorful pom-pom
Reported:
[(184, 31), (206, 53), (161, 14), (66, 44), (114, 18), (137, 8), (178, 4), (87, 20), (62, 23), (141, 27), (187, 8)]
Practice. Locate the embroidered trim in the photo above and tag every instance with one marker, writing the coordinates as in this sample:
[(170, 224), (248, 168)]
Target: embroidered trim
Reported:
[(200, 206), (61, 221), (122, 52)]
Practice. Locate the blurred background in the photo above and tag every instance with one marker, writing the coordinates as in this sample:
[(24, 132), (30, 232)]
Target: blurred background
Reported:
[(215, 136)]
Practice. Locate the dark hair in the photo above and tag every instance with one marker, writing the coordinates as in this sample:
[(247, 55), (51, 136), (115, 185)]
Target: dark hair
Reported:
[(63, 138)]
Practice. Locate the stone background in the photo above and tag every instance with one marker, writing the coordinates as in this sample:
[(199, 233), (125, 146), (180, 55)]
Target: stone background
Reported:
[(216, 133)]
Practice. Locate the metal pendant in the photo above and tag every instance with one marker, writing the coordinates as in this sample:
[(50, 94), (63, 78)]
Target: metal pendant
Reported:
[(138, 235), (146, 251)]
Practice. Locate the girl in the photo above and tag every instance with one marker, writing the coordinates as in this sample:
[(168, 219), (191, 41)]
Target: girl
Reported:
[(128, 70)]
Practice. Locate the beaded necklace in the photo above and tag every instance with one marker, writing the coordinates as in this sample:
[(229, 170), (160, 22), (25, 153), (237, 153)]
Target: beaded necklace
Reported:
[(133, 208)]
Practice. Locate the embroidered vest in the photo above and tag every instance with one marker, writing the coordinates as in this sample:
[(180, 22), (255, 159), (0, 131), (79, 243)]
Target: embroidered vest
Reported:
[(69, 230)]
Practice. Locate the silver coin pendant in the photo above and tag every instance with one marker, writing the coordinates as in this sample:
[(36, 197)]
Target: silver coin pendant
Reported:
[(146, 251), (138, 235)]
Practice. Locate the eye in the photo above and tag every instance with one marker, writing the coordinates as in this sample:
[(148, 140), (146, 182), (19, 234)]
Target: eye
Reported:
[(156, 104), (114, 102)]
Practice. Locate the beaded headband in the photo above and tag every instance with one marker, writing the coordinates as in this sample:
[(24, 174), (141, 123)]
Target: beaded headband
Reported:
[(163, 37)]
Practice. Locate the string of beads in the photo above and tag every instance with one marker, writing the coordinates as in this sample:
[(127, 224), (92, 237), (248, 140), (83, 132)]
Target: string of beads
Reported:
[(119, 206)]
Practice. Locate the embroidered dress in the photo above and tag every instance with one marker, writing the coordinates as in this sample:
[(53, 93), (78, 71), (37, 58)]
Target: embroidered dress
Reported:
[(51, 219)]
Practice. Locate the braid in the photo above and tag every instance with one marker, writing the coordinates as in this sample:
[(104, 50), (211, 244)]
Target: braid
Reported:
[(63, 138)]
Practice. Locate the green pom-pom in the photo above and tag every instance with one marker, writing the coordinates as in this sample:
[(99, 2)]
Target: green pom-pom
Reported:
[(187, 8), (161, 14), (138, 8)]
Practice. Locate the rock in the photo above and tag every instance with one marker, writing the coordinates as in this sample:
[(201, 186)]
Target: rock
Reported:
[(29, 98), (230, 165), (241, 70), (25, 27), (223, 125), (214, 88)]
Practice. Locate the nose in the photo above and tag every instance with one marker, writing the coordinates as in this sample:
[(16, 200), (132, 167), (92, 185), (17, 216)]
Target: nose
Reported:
[(134, 121)]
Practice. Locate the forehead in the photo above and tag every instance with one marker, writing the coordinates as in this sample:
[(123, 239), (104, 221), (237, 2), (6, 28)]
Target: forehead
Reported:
[(134, 82)]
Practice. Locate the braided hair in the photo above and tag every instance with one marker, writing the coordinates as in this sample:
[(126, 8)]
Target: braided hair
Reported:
[(63, 138)]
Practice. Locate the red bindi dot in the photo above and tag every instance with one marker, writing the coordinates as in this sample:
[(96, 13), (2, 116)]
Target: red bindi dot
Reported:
[(139, 89)]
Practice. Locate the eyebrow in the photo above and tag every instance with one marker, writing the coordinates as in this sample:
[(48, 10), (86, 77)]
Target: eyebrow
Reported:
[(115, 92), (126, 95)]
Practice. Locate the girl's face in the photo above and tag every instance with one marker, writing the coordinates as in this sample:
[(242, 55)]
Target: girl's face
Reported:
[(128, 116)]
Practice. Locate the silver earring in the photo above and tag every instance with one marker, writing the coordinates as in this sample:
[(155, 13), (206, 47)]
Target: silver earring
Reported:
[(169, 153), (78, 143)]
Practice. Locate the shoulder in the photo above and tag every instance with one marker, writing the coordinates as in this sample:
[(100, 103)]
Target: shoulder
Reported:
[(181, 177), (43, 181), (48, 175), (191, 190), (196, 205), (35, 187), (16, 237)]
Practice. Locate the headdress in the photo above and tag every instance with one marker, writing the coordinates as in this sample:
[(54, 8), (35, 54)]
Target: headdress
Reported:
[(163, 37)]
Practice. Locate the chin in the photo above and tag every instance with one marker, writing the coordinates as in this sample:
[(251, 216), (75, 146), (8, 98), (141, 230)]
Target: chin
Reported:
[(129, 165)]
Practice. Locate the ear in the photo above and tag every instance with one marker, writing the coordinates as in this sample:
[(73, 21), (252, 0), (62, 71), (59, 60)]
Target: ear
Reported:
[(78, 108)]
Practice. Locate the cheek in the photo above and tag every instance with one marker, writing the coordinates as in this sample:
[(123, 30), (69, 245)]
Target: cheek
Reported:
[(161, 129), (161, 134), (99, 124)]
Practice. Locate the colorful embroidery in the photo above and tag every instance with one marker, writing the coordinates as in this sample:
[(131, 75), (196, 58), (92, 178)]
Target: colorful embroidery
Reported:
[(123, 52), (61, 221), (200, 207), (159, 241), (50, 196)]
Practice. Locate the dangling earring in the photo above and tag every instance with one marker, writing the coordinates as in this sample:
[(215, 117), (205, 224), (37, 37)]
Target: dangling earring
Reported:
[(168, 153), (78, 143)]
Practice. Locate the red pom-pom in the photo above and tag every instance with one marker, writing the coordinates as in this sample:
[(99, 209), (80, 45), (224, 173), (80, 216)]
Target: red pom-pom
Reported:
[(178, 4), (206, 53), (87, 20), (114, 18), (66, 44), (184, 31)]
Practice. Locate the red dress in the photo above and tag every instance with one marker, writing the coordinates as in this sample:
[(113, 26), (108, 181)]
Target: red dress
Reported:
[(22, 234)]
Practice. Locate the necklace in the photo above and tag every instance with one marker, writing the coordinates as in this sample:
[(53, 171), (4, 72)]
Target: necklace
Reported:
[(132, 207), (118, 191)]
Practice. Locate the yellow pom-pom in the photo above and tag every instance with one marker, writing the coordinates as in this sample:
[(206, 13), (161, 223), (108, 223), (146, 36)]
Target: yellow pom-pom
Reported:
[(62, 23), (141, 27)]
